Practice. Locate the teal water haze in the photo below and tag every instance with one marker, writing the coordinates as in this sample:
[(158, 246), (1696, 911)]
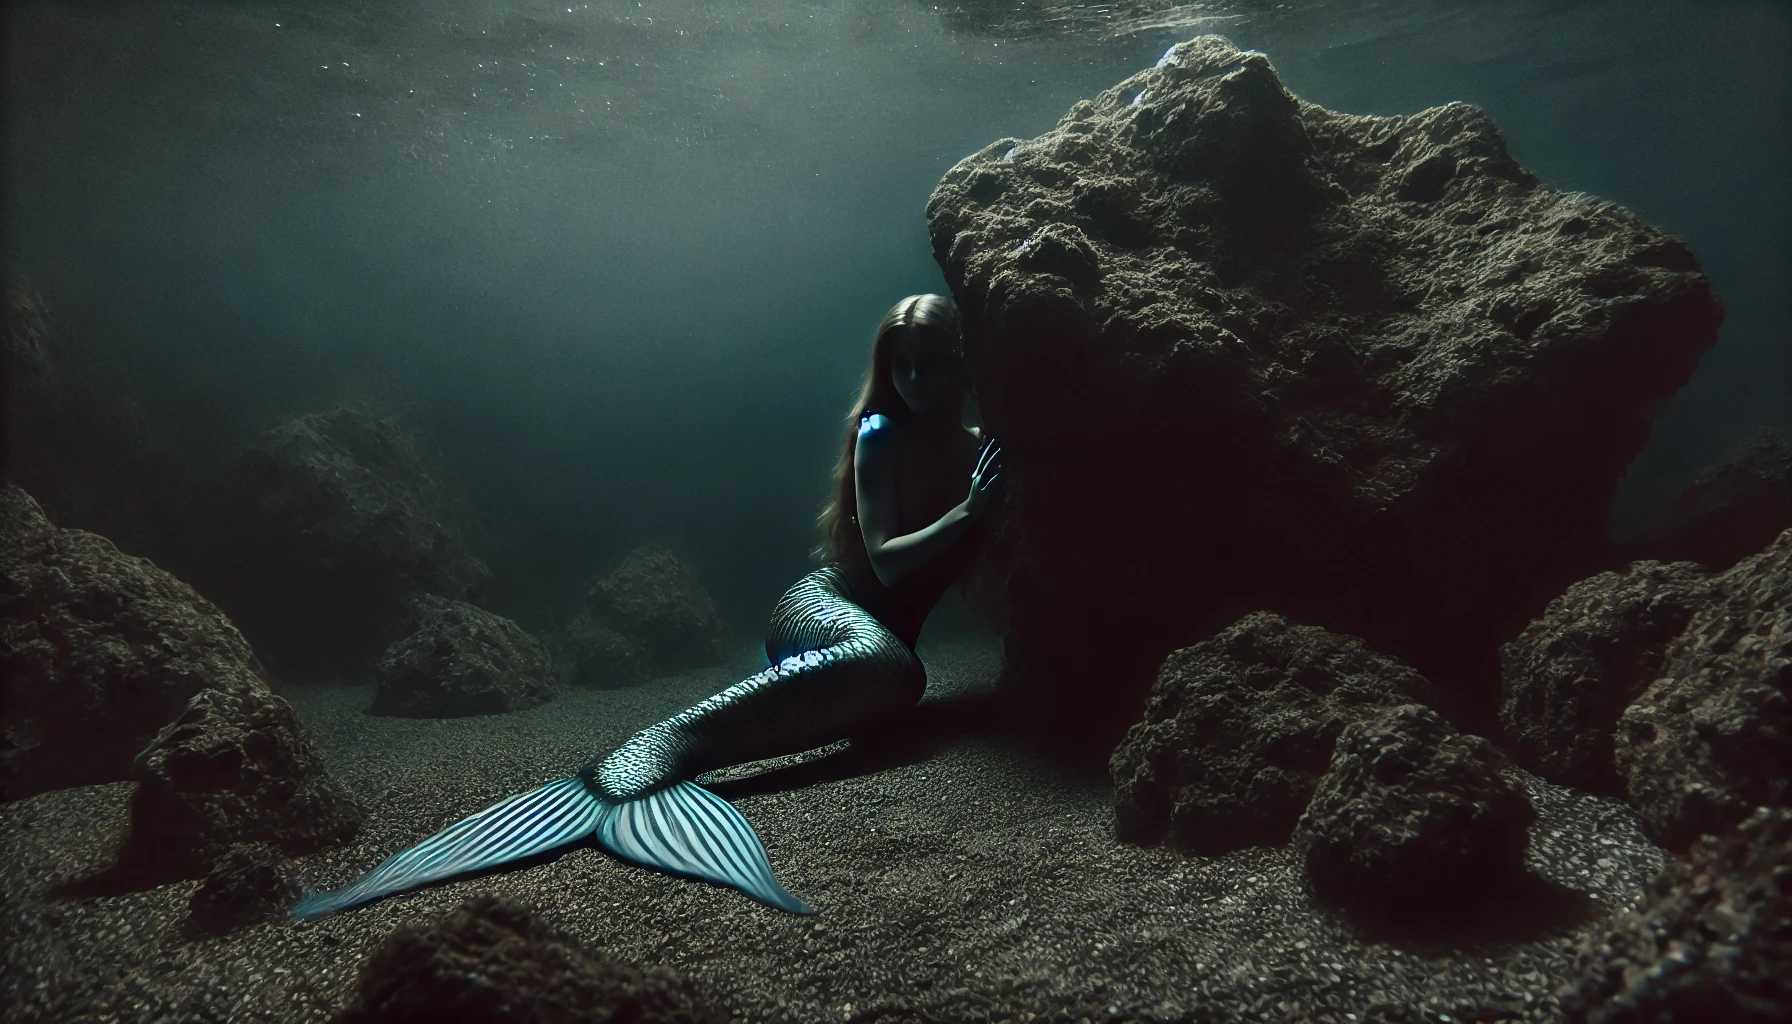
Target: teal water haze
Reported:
[(622, 261)]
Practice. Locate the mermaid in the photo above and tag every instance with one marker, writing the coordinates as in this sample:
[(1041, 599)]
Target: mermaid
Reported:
[(899, 527)]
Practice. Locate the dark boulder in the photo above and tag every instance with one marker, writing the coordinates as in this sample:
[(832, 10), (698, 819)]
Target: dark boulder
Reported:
[(666, 620), (1413, 823), (235, 767), (1574, 670), (98, 650), (337, 523), (462, 660), (494, 961), (1367, 371), (249, 882), (1731, 511), (1712, 940), (602, 656), (1712, 737), (1239, 730)]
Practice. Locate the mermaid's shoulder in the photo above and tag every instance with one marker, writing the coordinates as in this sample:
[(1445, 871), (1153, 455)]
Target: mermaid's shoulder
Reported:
[(873, 426)]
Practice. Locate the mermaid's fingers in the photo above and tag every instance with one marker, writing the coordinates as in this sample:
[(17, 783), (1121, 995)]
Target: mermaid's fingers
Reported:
[(984, 456)]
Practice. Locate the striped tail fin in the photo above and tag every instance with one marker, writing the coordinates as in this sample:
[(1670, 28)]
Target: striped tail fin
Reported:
[(511, 829), (687, 830)]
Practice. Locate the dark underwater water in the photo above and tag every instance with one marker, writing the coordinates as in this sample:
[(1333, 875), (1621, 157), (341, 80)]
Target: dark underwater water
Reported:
[(622, 260)]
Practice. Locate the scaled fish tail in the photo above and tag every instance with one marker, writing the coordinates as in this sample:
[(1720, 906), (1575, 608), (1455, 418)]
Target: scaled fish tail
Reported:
[(687, 830), (683, 829)]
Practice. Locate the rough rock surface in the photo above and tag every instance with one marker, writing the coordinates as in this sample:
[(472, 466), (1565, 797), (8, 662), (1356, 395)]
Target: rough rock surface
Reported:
[(235, 767), (654, 599), (1712, 738), (1413, 820), (1732, 510), (248, 883), (340, 509), (462, 660), (97, 651), (493, 961), (1712, 941), (1574, 670), (1305, 340), (1057, 921), (1239, 729), (602, 656)]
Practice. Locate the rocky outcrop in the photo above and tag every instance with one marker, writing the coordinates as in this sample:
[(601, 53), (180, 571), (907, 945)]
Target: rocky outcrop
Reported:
[(235, 767), (602, 656), (339, 508), (1596, 648), (1711, 942), (651, 616), (1367, 371), (100, 649), (248, 883), (1732, 510), (496, 961), (1712, 737), (462, 660), (1413, 822), (1239, 729)]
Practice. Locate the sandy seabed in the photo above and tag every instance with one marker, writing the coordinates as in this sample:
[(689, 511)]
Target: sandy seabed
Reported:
[(957, 878)]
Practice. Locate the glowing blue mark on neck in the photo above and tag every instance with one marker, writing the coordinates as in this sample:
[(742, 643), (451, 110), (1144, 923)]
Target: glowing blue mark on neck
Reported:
[(1169, 57), (1008, 157), (1140, 98)]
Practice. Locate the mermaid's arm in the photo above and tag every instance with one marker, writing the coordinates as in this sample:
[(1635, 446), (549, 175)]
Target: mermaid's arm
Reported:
[(874, 481)]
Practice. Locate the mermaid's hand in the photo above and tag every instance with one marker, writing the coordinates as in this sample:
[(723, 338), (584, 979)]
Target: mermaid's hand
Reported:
[(984, 479)]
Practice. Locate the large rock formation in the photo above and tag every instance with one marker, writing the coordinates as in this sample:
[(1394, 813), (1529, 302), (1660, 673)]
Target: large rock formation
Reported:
[(1239, 730), (1246, 352), (462, 660), (1413, 822), (337, 525), (1712, 737), (493, 961), (1574, 670), (236, 767), (98, 650), (1731, 511), (1711, 942), (651, 616)]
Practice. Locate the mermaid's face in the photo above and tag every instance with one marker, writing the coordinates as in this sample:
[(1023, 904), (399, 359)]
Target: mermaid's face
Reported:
[(925, 370)]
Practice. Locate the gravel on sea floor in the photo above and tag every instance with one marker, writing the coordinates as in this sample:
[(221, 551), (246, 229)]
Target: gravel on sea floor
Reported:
[(958, 878)]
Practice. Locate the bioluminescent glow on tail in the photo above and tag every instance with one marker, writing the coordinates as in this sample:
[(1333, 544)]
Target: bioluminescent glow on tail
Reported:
[(685, 830)]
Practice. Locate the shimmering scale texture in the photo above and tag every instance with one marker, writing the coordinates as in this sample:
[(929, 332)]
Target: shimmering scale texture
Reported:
[(835, 668)]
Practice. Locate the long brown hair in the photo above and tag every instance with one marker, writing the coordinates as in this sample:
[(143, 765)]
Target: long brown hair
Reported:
[(838, 523)]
